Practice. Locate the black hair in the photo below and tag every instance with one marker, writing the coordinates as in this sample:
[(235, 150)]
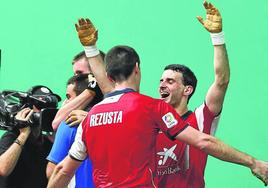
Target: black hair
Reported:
[(80, 82), (120, 62), (188, 76)]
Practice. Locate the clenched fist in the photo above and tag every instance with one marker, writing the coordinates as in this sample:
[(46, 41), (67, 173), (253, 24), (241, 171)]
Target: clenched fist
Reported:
[(86, 31), (213, 22)]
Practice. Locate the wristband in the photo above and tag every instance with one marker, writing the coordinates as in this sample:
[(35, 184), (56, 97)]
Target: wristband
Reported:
[(91, 51), (217, 38), (17, 141)]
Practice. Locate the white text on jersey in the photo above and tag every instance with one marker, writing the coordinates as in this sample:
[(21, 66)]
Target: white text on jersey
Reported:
[(106, 118)]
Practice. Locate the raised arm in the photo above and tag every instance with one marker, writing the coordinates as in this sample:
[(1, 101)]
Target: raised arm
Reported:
[(213, 24), (214, 147), (88, 36)]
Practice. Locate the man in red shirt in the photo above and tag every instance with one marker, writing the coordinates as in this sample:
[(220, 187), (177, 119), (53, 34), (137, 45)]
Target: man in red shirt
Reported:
[(119, 133), (179, 163), (124, 115), (184, 165)]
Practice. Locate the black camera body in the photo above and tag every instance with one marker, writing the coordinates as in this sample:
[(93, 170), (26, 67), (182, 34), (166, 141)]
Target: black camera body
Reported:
[(11, 102)]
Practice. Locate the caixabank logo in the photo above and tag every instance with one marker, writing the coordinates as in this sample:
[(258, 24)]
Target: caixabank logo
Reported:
[(167, 161)]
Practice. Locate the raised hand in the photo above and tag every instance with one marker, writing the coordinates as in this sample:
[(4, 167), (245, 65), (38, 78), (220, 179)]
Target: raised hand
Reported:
[(86, 31), (213, 21)]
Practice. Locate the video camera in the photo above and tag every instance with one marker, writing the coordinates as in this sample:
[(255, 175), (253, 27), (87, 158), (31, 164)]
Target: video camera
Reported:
[(11, 102)]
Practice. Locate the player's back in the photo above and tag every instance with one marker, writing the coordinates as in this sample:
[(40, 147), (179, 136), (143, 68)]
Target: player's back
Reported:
[(120, 135)]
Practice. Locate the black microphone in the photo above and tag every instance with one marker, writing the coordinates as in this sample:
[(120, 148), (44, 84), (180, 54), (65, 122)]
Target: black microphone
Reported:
[(21, 94), (44, 101)]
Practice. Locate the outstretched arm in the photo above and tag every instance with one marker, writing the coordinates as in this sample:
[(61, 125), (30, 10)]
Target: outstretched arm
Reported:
[(79, 102), (88, 36), (216, 92), (65, 170), (214, 147), (50, 168), (63, 173)]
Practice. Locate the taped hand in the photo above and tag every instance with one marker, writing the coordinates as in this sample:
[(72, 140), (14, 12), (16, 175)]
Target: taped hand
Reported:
[(213, 22), (86, 31)]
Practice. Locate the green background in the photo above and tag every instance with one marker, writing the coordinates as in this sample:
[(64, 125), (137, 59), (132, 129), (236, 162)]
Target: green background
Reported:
[(38, 41)]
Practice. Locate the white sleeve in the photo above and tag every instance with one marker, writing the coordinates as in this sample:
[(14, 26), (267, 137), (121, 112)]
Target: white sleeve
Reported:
[(205, 118), (78, 150)]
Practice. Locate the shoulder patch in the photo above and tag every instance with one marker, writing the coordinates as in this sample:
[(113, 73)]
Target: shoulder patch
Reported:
[(169, 120)]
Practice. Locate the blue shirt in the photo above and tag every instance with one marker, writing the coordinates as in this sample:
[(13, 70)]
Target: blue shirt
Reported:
[(63, 141)]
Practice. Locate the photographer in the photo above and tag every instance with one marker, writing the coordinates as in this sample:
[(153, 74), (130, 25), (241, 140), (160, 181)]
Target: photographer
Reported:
[(24, 148)]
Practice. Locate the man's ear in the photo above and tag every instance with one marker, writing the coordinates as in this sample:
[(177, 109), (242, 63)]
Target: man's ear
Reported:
[(137, 68), (188, 90), (109, 78)]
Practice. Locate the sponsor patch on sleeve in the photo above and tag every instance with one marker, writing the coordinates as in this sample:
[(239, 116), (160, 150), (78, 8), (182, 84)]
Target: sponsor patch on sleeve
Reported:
[(169, 120)]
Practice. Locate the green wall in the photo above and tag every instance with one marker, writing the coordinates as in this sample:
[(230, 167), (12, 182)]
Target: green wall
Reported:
[(38, 41)]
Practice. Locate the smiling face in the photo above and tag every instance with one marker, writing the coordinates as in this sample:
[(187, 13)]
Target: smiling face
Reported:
[(171, 88)]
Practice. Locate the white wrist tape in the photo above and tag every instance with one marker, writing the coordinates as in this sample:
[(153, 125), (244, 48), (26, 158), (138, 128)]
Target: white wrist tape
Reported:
[(217, 38), (91, 51)]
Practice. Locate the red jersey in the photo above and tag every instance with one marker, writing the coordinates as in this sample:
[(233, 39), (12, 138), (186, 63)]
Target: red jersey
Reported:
[(181, 165), (119, 135)]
